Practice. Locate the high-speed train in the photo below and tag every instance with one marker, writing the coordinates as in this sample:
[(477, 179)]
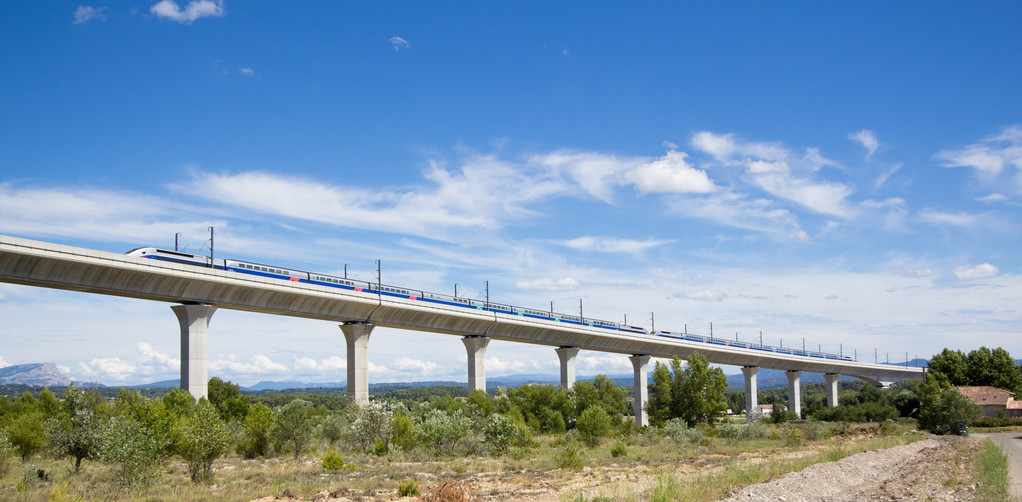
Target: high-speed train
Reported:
[(411, 294)]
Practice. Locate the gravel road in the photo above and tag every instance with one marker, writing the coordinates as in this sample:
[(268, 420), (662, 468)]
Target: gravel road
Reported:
[(937, 469)]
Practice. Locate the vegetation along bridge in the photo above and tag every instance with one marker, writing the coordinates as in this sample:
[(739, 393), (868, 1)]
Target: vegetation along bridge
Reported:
[(199, 286)]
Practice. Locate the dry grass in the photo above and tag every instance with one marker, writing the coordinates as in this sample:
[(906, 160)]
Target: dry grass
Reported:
[(658, 469)]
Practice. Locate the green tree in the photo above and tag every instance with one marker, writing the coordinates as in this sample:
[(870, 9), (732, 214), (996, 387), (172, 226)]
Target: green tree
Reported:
[(441, 432), (48, 403), (257, 426), (292, 430), (76, 430), (944, 411), (953, 365), (204, 438), (694, 393), (133, 447), (26, 433), (371, 422), (600, 391), (227, 399), (179, 402), (993, 367), (592, 425)]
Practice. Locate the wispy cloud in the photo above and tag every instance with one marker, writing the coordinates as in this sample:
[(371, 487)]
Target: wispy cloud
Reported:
[(85, 13), (989, 156), (868, 140), (612, 244), (398, 43), (196, 9), (248, 72), (562, 284)]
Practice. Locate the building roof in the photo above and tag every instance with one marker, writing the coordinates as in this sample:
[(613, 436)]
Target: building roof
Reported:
[(986, 395)]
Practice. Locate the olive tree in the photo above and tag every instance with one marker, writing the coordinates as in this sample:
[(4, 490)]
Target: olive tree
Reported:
[(75, 430), (204, 438)]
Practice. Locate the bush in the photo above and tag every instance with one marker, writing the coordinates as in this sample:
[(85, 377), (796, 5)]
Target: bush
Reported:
[(618, 451), (293, 428), (26, 433), (370, 423), (679, 431), (409, 489), (257, 427), (6, 452), (333, 461), (380, 448), (499, 435), (133, 447), (947, 412), (204, 439), (592, 425), (441, 432), (569, 457)]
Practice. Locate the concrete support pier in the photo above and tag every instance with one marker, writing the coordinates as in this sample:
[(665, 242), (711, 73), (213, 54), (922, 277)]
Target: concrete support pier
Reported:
[(751, 391), (567, 357), (476, 347), (194, 321), (794, 392), (357, 336), (640, 362), (831, 379)]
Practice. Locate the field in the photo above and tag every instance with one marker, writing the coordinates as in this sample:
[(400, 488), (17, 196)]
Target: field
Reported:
[(646, 466)]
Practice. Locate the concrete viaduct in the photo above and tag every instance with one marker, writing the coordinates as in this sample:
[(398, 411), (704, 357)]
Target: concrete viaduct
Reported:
[(199, 291)]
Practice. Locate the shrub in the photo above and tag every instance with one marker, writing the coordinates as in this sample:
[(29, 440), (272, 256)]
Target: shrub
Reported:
[(333, 461), (618, 451), (593, 424), (380, 449), (370, 423), (679, 431), (204, 439), (293, 428), (257, 427), (946, 412), (26, 433), (6, 452), (570, 457), (332, 428), (133, 447), (441, 432), (75, 431), (792, 435), (499, 435), (409, 489)]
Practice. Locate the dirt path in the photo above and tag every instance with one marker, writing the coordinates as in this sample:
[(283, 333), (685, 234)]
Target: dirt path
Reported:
[(937, 469)]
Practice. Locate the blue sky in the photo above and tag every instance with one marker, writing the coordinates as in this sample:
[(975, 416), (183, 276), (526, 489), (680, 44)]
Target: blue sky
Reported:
[(845, 174)]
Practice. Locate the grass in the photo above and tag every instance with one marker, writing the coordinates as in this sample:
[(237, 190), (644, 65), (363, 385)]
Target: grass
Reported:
[(643, 469), (992, 477)]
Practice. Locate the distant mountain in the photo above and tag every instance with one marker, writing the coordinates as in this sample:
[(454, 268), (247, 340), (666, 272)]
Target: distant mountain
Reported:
[(38, 374), (293, 384), (163, 384)]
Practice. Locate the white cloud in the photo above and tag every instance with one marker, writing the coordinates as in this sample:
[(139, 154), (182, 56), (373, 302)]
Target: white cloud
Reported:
[(330, 364), (196, 9), (259, 365), (613, 245), (739, 211), (3, 363), (994, 197), (914, 273), (399, 43), (109, 368), (989, 156), (415, 366), (705, 295), (726, 148), (868, 140), (84, 14), (248, 72), (982, 271), (960, 219), (563, 284), (670, 174)]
